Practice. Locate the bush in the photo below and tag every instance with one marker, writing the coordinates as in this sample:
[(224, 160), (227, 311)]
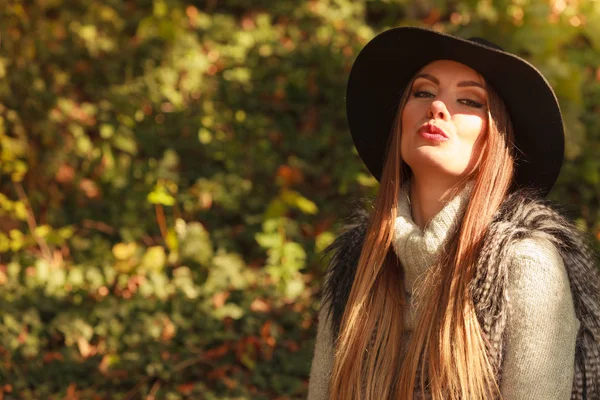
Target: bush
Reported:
[(170, 171)]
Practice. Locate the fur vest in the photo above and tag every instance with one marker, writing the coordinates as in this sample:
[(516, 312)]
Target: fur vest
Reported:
[(522, 215)]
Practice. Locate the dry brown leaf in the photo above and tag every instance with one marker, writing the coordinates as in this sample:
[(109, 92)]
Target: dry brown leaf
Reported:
[(85, 349), (186, 388), (104, 364), (72, 392), (265, 333), (65, 174), (230, 383), (290, 175), (217, 352), (89, 188), (168, 331), (219, 299), (52, 356), (292, 346), (23, 335), (259, 305)]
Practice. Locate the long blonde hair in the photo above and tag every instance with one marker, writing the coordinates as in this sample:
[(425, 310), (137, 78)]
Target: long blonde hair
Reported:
[(446, 354)]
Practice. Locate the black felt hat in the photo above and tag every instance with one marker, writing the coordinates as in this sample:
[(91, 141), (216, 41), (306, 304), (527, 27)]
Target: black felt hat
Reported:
[(384, 67)]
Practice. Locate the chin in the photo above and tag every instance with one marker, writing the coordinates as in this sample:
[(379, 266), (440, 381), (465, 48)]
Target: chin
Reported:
[(424, 156), (429, 163)]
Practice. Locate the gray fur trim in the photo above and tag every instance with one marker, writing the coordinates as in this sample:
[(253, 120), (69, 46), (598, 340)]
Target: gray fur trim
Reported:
[(522, 215)]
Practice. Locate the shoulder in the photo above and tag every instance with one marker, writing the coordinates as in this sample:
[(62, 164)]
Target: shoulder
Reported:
[(536, 262), (534, 228), (539, 242), (537, 230), (538, 249)]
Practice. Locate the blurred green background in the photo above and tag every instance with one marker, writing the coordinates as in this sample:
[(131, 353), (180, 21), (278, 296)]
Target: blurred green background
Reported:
[(170, 171)]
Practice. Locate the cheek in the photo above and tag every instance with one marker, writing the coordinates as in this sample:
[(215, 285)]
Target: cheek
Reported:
[(471, 127), (413, 111), (405, 122)]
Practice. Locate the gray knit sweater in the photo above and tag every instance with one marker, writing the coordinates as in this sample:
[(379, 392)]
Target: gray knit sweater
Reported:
[(541, 327)]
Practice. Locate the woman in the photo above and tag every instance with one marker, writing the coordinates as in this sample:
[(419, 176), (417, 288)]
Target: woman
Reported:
[(463, 283)]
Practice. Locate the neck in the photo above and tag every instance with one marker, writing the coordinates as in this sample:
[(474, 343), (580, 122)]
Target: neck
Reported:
[(428, 196)]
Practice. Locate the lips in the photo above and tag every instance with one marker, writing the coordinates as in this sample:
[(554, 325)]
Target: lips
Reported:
[(432, 132)]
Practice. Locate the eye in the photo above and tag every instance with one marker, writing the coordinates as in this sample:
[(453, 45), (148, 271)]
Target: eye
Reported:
[(422, 94), (470, 103)]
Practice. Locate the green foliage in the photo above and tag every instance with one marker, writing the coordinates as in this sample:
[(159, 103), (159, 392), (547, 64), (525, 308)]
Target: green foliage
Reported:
[(171, 170)]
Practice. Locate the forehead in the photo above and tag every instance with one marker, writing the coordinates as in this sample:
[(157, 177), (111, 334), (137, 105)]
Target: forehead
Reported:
[(452, 69)]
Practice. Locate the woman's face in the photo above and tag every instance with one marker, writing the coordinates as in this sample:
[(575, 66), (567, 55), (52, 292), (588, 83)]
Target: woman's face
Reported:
[(445, 114)]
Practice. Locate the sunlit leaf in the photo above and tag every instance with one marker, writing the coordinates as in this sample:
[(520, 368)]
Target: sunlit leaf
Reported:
[(154, 258), (124, 251)]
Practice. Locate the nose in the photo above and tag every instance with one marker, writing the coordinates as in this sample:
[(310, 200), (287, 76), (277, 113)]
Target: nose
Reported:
[(438, 110)]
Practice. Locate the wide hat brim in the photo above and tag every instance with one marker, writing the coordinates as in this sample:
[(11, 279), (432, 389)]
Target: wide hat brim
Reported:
[(385, 66)]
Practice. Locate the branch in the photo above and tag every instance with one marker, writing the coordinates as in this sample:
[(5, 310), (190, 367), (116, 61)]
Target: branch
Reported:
[(162, 221), (32, 224)]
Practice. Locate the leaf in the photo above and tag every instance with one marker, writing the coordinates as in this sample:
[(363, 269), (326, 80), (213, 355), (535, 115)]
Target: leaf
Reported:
[(160, 196), (293, 256), (269, 240), (169, 329), (107, 131), (194, 243), (295, 199), (171, 240), (154, 259), (108, 361), (125, 143), (84, 347), (228, 310), (366, 180), (276, 208), (17, 239), (42, 230), (306, 205), (294, 288), (20, 210), (228, 272), (248, 362), (323, 240), (124, 251), (42, 271)]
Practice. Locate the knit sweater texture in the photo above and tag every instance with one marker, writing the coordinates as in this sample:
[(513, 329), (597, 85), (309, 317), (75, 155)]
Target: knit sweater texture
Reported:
[(541, 328)]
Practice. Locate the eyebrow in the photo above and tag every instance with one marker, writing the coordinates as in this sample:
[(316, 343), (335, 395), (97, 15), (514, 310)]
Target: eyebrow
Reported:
[(435, 80)]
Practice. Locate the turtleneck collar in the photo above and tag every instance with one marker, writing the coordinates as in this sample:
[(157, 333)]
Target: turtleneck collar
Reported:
[(418, 249)]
